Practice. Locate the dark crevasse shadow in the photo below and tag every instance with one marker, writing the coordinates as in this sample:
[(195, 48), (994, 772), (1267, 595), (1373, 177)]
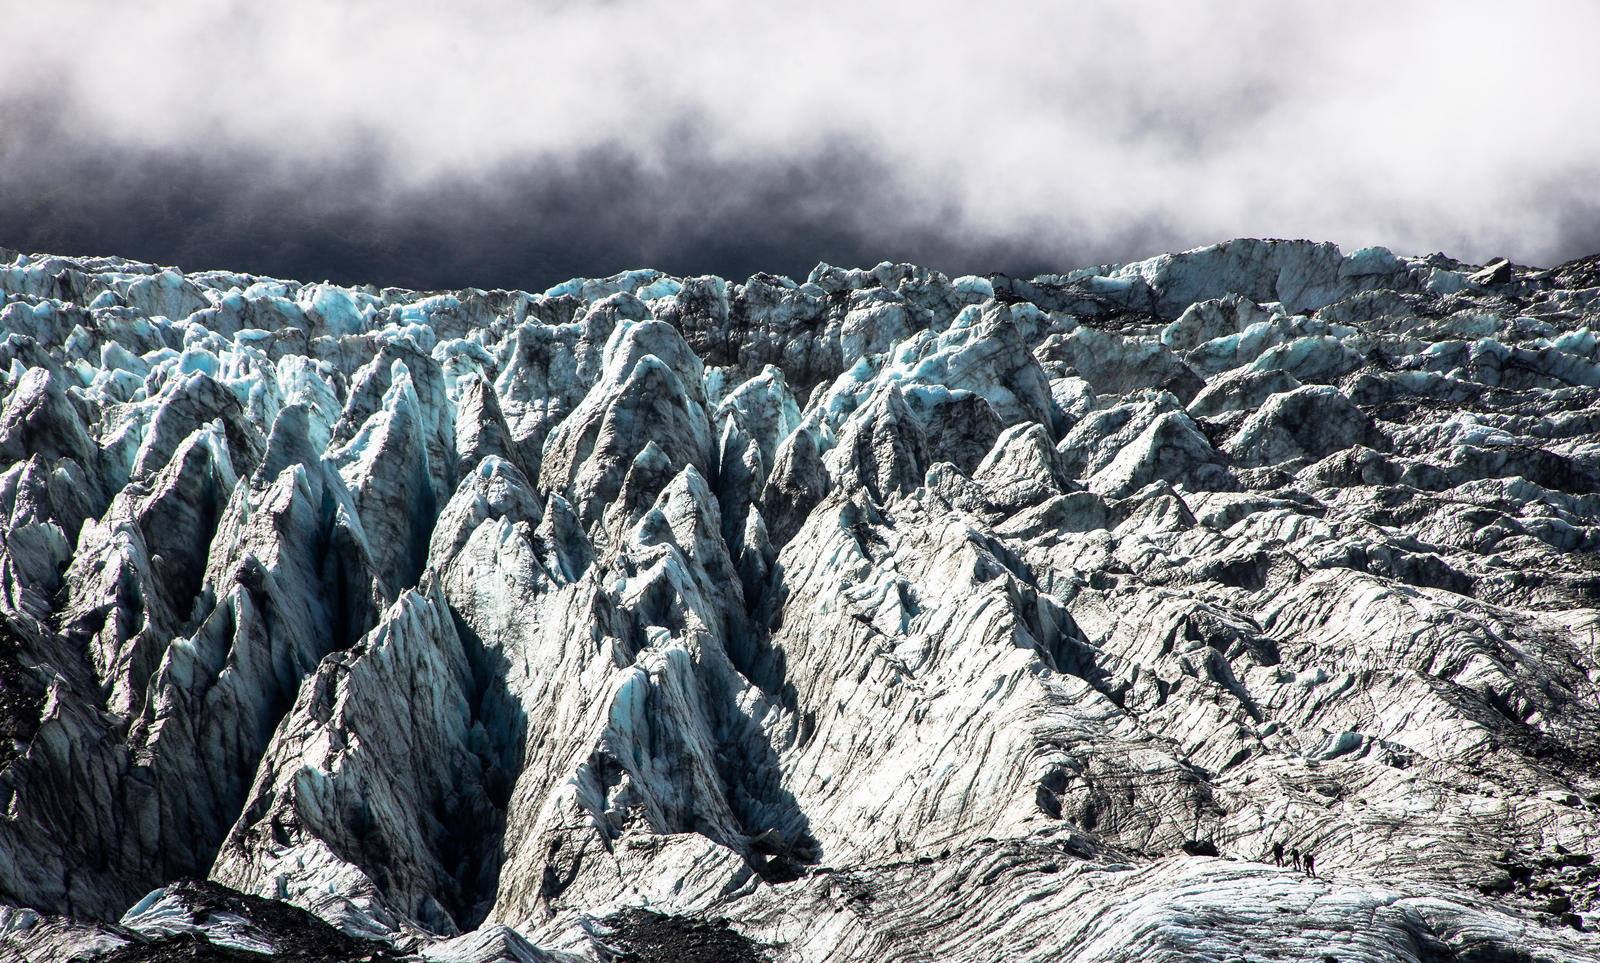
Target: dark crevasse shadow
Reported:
[(474, 813), (749, 763)]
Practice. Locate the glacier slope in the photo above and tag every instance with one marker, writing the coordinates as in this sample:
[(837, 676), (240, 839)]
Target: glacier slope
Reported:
[(883, 616)]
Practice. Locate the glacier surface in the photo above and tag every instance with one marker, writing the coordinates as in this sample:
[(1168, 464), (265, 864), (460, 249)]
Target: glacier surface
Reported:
[(879, 616)]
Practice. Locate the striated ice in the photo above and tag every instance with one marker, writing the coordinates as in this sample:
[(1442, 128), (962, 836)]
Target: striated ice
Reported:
[(875, 616)]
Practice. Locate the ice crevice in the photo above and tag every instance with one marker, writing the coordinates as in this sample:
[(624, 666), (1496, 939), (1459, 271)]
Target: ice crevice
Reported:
[(871, 615)]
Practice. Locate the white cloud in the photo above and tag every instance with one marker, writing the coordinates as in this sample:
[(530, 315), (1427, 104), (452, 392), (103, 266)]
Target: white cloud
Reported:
[(1465, 126)]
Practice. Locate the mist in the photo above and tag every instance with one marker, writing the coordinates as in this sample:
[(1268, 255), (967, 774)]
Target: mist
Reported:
[(518, 144)]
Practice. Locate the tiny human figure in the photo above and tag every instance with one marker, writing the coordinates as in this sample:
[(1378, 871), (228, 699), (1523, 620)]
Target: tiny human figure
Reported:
[(1294, 857), (1311, 862), (1277, 852)]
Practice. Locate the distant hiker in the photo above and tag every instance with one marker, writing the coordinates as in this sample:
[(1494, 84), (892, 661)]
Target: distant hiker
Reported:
[(1294, 857), (1277, 852), (1311, 862)]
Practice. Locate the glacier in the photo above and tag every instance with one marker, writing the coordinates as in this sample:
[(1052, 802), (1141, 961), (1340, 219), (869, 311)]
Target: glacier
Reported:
[(883, 615)]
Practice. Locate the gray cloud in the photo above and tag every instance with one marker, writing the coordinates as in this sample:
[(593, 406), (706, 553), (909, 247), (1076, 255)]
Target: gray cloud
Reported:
[(518, 143), (524, 223)]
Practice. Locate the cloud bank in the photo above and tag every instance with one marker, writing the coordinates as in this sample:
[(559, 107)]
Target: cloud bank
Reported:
[(518, 143)]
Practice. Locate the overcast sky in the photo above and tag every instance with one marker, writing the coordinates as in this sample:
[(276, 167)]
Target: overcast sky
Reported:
[(519, 142)]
